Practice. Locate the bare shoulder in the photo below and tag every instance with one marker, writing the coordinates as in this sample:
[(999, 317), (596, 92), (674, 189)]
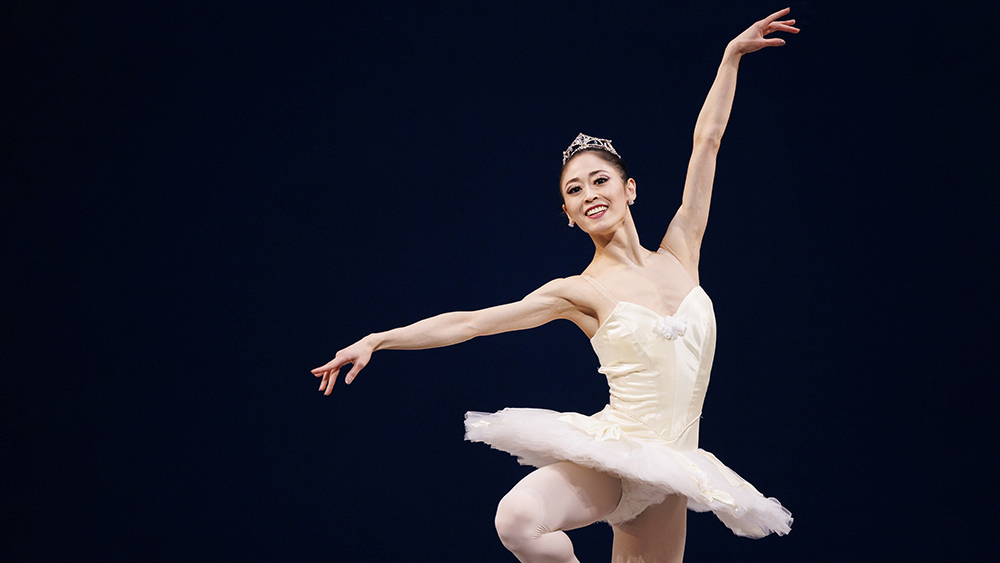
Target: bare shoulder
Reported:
[(670, 256), (572, 290), (573, 297)]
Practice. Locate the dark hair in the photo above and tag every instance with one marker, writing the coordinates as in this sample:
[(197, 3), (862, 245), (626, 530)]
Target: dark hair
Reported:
[(612, 159)]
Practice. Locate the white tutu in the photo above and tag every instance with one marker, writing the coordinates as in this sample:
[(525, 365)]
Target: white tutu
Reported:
[(650, 470)]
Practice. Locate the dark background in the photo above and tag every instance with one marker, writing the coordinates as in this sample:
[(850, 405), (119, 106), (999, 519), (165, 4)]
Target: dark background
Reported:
[(200, 203)]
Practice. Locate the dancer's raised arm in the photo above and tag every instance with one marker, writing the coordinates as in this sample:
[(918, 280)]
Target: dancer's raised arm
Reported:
[(552, 301), (686, 229)]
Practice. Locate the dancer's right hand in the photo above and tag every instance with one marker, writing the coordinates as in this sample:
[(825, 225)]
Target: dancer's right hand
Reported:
[(357, 354)]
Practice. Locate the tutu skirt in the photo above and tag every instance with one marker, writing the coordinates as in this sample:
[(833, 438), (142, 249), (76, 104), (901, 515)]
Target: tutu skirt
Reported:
[(650, 470)]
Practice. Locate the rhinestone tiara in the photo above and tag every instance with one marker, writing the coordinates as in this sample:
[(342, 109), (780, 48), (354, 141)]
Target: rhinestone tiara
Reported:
[(584, 142)]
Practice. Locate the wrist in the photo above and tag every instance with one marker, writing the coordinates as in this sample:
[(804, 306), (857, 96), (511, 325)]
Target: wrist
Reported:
[(374, 340), (732, 53)]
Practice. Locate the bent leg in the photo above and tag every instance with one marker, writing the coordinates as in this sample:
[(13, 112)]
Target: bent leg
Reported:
[(562, 496), (657, 535)]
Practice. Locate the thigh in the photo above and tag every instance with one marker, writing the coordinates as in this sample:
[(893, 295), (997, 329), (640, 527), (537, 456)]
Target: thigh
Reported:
[(567, 495)]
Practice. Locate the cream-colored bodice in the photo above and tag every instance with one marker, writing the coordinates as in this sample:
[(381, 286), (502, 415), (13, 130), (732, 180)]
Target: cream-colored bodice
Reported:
[(657, 384)]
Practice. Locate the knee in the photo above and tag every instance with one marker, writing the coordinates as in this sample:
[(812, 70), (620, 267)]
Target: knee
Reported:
[(519, 519)]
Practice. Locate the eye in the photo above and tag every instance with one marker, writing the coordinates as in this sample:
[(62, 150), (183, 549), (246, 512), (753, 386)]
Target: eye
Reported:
[(572, 189), (600, 181)]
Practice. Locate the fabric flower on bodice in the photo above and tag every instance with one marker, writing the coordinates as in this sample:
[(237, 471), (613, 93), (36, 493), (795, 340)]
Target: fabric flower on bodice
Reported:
[(671, 327)]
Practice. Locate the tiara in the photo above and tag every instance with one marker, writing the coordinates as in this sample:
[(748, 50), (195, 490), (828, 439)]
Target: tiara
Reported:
[(583, 142)]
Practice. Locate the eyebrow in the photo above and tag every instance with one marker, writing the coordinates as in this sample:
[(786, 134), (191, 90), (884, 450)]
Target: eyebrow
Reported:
[(575, 179)]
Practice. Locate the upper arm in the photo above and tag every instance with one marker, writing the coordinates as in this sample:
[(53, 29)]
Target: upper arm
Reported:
[(687, 228), (550, 302)]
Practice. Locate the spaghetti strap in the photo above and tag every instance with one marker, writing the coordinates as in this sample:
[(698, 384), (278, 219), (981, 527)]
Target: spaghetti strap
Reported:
[(600, 288), (683, 269)]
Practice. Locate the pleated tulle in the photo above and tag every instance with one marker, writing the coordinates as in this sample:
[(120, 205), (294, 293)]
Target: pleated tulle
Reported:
[(651, 470)]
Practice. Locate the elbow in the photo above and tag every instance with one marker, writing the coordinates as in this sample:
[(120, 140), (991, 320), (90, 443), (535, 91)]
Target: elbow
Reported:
[(470, 327), (711, 138), (468, 331)]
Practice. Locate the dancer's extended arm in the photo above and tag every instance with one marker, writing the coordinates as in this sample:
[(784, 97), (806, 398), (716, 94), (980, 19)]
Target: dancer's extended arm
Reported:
[(545, 304), (686, 229)]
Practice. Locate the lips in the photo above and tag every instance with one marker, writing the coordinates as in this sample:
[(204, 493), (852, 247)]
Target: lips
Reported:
[(596, 211)]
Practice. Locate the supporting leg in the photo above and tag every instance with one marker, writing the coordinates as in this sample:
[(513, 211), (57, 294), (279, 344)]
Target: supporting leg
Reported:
[(655, 536), (562, 496)]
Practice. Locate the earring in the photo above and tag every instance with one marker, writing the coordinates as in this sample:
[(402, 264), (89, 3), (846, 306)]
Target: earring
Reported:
[(571, 223), (631, 201)]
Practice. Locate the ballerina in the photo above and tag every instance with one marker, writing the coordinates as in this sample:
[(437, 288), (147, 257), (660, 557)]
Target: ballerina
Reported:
[(636, 464)]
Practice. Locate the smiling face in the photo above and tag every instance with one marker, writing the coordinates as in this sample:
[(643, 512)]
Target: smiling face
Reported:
[(594, 194)]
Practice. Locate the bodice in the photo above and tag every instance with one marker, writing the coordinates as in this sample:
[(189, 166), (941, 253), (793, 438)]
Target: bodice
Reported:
[(657, 385)]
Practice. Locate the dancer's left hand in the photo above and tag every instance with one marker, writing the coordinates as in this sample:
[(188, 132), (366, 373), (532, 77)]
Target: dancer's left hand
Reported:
[(753, 39)]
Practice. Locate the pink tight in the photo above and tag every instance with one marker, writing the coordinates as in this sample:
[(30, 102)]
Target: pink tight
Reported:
[(564, 496)]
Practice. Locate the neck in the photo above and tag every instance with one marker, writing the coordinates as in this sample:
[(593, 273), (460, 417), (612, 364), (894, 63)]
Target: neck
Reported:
[(620, 246)]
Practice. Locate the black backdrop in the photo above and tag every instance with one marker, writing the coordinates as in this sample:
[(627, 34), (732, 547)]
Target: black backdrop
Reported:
[(201, 203)]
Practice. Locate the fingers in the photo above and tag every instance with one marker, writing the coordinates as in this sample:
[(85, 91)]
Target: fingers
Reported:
[(354, 372), (782, 26), (332, 382), (335, 363), (775, 16), (329, 379), (785, 25), (330, 371)]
